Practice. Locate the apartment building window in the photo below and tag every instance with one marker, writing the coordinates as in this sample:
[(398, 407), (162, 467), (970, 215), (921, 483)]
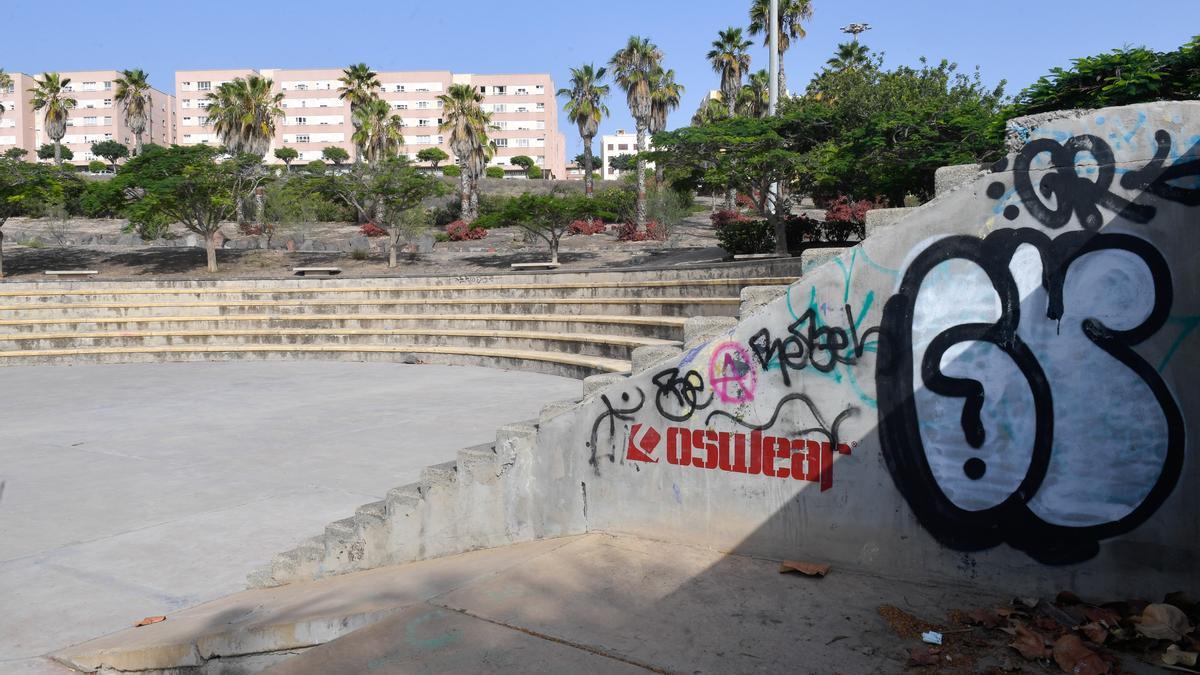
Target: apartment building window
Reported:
[(108, 103), (610, 146), (539, 124), (301, 120), (301, 87), (401, 106), (107, 85), (422, 123), (541, 107), (422, 88), (522, 91), (400, 88), (301, 138), (441, 139), (206, 85), (202, 121), (89, 86), (623, 146), (501, 142), (499, 107), (522, 142), (499, 90), (522, 108), (89, 121), (422, 104)]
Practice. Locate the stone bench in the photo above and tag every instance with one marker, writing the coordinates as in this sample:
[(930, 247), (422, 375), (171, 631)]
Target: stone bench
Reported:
[(70, 273), (536, 265), (327, 271)]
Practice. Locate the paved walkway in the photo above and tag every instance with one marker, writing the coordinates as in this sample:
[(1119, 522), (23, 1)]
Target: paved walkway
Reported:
[(134, 490)]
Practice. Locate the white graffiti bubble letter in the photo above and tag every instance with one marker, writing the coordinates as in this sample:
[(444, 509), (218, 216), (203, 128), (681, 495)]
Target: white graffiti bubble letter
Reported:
[(1013, 407)]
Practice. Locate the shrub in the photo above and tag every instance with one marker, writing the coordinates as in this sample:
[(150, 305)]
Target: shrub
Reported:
[(452, 170), (746, 236), (534, 172), (372, 230), (745, 201), (723, 217), (360, 254), (460, 231), (101, 199), (96, 166), (845, 218), (654, 231), (494, 172), (250, 229), (587, 227)]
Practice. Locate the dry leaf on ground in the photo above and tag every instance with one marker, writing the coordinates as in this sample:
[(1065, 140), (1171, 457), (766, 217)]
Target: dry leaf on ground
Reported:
[(1094, 632), (1163, 622), (920, 656), (149, 620), (1075, 657), (1030, 643), (810, 569), (1178, 657)]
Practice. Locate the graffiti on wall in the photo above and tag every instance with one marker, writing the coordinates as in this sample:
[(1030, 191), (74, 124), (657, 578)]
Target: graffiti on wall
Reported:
[(1013, 407)]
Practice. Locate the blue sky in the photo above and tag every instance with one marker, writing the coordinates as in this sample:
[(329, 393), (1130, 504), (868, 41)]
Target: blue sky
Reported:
[(1013, 41)]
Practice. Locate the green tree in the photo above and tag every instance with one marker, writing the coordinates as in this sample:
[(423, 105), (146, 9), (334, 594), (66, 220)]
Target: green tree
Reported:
[(730, 59), (709, 111), (5, 83), (585, 107), (523, 161), (377, 132), (56, 152), (547, 216), (849, 55), (133, 93), (110, 150), (335, 155), (1118, 77), (792, 14), (287, 156), (244, 112), (186, 184), (623, 162), (434, 156), (754, 97), (317, 166), (22, 183), (96, 166), (533, 172), (494, 172), (360, 85), (16, 154), (663, 99), (391, 190), (50, 93), (466, 124), (635, 67)]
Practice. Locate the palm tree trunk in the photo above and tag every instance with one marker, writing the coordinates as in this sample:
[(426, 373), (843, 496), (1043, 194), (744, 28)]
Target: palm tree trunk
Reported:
[(588, 186), (137, 144), (658, 175), (57, 153), (1, 254), (210, 250), (474, 197), (464, 193), (641, 175), (260, 205), (782, 78)]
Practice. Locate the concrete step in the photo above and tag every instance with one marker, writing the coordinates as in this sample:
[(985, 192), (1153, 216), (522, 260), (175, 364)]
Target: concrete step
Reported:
[(596, 305), (585, 344), (235, 291), (556, 363), (661, 327), (480, 500)]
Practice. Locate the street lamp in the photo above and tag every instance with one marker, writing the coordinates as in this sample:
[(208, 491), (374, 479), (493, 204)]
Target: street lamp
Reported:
[(856, 28)]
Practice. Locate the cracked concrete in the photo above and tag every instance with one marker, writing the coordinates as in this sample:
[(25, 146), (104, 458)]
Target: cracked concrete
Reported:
[(137, 490)]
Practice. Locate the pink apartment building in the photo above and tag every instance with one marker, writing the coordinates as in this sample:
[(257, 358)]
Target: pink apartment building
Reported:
[(523, 108), (96, 117)]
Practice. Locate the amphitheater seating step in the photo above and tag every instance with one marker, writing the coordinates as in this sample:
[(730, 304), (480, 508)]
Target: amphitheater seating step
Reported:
[(70, 273), (327, 271)]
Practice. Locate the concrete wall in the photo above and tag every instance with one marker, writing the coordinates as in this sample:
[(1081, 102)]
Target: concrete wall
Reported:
[(996, 390)]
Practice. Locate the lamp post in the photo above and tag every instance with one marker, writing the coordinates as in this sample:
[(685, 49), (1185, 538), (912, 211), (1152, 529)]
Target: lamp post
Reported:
[(781, 247), (855, 28)]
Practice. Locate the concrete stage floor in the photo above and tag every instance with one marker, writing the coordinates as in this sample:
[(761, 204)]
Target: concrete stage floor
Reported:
[(136, 490)]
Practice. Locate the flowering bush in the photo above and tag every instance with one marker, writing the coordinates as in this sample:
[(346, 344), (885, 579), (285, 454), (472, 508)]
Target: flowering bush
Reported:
[(654, 231), (460, 231), (721, 218), (372, 230), (745, 201), (250, 229), (587, 227), (844, 218)]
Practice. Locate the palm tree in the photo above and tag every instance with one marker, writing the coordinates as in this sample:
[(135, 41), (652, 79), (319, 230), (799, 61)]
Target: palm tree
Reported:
[(664, 98), (585, 107), (730, 60), (133, 93), (50, 94), (359, 87), (466, 125), (710, 111), (5, 83), (754, 97), (791, 14), (849, 55), (377, 131), (243, 113), (634, 67)]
